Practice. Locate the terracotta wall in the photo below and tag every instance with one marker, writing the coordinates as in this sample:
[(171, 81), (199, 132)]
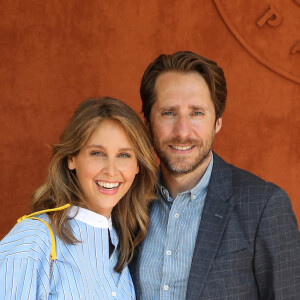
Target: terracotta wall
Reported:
[(56, 53)]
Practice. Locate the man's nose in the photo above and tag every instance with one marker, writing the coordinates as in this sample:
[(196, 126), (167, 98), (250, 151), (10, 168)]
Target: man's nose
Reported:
[(183, 126)]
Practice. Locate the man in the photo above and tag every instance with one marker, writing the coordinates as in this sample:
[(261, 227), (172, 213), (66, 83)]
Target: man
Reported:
[(216, 231)]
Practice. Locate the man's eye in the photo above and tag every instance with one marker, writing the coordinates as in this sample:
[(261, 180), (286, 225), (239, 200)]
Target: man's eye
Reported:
[(124, 155), (168, 113), (197, 113)]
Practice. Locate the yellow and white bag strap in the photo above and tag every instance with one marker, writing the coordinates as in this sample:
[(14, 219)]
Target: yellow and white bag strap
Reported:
[(32, 216)]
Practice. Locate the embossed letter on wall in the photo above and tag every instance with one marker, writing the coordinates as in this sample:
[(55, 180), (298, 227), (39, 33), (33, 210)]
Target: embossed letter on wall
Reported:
[(269, 30), (271, 16)]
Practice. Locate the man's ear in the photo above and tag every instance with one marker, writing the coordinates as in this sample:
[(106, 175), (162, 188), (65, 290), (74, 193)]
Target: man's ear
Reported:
[(218, 125), (71, 162)]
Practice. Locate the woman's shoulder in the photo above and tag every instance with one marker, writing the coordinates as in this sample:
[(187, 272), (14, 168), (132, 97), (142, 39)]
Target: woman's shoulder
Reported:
[(29, 238)]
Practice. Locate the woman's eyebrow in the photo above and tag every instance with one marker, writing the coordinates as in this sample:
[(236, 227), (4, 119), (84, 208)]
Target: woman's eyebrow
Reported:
[(95, 146), (102, 147)]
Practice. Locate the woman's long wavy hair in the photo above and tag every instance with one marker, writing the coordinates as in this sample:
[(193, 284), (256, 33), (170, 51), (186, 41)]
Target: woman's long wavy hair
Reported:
[(130, 216)]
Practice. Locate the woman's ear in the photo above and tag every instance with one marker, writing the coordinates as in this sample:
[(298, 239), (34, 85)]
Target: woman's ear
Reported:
[(71, 162)]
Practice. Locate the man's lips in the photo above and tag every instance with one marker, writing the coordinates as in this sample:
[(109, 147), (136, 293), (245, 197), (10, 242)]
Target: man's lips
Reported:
[(181, 148)]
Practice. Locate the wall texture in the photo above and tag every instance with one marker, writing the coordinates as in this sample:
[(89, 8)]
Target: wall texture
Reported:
[(56, 53)]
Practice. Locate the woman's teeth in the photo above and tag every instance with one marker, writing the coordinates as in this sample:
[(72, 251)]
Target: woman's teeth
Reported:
[(108, 185)]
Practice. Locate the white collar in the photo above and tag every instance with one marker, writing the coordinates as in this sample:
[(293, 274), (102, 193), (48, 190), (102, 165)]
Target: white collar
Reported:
[(89, 217)]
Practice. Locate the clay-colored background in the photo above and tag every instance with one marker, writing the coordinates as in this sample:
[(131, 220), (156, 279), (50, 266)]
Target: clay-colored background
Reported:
[(56, 53)]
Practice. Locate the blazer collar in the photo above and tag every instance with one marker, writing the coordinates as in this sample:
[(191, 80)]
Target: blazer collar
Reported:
[(214, 219)]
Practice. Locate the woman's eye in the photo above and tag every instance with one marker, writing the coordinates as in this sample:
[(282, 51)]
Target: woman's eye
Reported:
[(97, 153), (124, 155)]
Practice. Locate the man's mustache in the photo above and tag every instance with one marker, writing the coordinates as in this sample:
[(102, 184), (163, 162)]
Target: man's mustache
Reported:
[(180, 141)]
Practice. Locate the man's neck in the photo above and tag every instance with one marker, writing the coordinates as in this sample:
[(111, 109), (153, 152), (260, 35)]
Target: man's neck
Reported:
[(179, 184)]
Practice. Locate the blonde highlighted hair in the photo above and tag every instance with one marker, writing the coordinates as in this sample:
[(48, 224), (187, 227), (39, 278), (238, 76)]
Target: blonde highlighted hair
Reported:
[(130, 215)]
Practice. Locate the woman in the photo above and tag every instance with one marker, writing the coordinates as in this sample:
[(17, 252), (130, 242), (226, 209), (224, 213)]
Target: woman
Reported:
[(95, 202)]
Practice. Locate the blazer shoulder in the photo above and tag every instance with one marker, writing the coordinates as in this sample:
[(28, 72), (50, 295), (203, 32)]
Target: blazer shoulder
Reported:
[(251, 191), (245, 178), (245, 182)]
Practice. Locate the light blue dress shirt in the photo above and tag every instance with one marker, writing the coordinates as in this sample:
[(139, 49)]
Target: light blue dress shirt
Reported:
[(167, 251), (81, 271)]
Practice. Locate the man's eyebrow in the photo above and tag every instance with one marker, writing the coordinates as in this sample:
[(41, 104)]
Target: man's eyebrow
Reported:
[(168, 107), (173, 107), (198, 106)]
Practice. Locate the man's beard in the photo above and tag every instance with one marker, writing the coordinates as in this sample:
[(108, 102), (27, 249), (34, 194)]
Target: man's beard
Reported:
[(178, 165)]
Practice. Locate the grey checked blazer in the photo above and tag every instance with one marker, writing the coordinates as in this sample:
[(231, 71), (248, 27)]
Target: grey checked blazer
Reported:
[(248, 243)]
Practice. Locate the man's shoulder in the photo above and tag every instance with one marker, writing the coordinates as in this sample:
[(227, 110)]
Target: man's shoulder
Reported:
[(243, 178), (249, 192)]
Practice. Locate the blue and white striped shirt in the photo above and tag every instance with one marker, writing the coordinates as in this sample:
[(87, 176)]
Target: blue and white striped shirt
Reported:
[(167, 252), (81, 271)]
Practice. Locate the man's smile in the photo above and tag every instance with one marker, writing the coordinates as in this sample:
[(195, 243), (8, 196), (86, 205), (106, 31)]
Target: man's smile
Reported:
[(181, 148)]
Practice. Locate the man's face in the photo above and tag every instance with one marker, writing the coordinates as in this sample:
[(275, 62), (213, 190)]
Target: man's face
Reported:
[(182, 121)]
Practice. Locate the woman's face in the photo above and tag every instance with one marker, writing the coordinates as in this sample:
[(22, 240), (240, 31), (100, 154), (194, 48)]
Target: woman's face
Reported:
[(105, 166)]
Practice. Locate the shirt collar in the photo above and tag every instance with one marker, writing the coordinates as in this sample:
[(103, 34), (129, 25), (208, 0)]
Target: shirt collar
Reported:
[(199, 189), (89, 217)]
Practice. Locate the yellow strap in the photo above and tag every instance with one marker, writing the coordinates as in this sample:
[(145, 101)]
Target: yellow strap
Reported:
[(43, 211), (31, 216), (53, 249)]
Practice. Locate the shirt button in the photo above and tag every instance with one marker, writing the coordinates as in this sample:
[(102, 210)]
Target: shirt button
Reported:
[(113, 293), (176, 216), (166, 287), (194, 197), (169, 252)]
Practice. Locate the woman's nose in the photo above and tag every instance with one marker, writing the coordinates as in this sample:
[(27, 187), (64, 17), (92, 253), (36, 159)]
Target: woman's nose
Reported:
[(110, 168)]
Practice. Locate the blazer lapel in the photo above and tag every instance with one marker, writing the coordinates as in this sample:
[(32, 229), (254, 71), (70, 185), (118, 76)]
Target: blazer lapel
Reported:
[(212, 225)]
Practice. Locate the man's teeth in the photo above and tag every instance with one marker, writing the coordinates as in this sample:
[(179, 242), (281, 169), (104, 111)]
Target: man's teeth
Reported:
[(182, 148), (108, 185)]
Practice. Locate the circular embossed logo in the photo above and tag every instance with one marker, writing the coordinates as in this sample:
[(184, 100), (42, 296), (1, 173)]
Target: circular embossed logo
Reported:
[(269, 30)]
